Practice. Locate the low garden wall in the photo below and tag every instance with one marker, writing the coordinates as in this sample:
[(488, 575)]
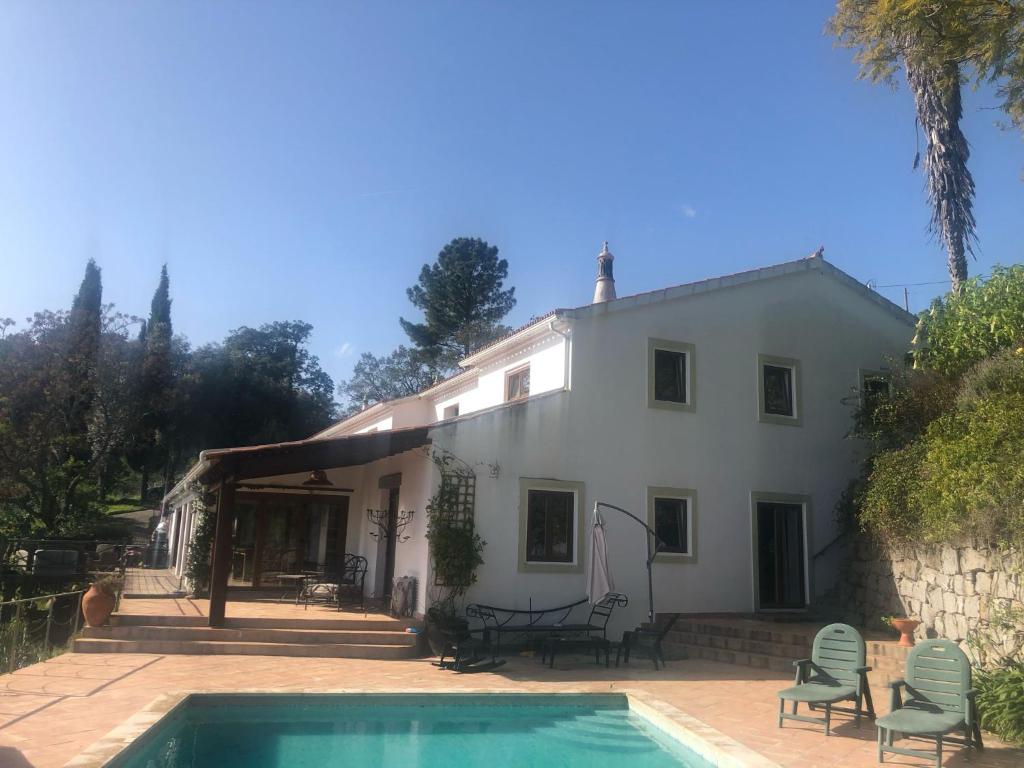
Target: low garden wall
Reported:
[(971, 592)]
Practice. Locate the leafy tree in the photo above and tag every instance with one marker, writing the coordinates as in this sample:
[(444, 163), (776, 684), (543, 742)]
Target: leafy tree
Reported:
[(940, 45), (261, 385), (463, 300), (49, 463), (961, 329), (388, 377)]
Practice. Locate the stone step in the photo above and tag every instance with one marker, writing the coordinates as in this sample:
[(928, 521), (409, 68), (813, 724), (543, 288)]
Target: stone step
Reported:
[(739, 644), (371, 625), (217, 634), (200, 648), (767, 632)]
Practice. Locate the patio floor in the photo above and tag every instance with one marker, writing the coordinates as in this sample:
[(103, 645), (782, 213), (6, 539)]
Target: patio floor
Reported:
[(242, 606), (51, 711), (151, 581)]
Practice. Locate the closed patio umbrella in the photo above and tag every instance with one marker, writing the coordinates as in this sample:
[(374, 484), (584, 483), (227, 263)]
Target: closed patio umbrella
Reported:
[(600, 581)]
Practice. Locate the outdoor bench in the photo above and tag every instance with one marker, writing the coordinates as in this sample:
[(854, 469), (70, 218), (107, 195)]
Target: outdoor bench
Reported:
[(540, 623)]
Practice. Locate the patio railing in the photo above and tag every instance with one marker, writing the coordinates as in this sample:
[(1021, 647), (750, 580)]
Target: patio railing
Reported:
[(33, 628)]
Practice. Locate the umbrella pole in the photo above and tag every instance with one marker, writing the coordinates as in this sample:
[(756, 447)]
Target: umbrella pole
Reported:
[(650, 555)]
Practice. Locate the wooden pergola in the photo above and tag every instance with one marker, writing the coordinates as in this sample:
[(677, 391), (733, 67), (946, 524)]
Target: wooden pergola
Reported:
[(227, 468)]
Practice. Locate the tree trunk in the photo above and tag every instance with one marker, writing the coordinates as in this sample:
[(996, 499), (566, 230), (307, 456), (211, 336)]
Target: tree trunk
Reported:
[(143, 484), (950, 184)]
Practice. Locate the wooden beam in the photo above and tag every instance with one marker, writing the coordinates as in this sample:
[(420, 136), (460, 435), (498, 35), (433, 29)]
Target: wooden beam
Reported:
[(220, 568), (291, 458)]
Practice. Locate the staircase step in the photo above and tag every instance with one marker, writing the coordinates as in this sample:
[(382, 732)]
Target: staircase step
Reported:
[(361, 624), (319, 650), (742, 645), (227, 634), (765, 632), (768, 644)]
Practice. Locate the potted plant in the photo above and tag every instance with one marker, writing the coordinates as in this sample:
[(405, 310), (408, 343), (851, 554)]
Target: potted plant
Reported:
[(905, 627), (98, 603)]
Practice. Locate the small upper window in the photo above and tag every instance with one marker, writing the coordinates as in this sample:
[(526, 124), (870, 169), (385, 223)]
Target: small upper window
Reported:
[(778, 390), (670, 375), (451, 411), (517, 383)]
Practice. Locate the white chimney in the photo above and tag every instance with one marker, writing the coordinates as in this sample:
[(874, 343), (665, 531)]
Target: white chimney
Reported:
[(605, 288)]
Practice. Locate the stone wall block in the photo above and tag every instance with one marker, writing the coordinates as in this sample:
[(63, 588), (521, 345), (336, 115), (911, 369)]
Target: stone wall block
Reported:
[(983, 583), (950, 561)]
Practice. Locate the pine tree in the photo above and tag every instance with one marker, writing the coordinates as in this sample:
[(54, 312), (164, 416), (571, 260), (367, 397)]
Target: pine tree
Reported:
[(463, 300)]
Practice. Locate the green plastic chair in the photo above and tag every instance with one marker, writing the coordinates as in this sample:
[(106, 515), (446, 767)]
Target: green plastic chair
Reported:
[(834, 673), (939, 701)]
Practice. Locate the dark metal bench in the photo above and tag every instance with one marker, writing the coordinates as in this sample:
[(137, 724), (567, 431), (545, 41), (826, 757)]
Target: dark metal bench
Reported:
[(541, 623)]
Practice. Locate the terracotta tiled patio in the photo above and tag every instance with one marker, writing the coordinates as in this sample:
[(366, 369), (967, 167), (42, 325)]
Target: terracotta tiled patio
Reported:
[(51, 711)]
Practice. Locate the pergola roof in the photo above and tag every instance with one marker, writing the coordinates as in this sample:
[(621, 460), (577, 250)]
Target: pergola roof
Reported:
[(251, 461)]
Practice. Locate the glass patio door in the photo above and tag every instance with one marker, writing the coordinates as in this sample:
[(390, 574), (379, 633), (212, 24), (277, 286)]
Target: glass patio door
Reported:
[(781, 555)]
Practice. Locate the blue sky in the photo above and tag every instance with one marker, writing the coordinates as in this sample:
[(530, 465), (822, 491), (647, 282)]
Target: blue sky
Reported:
[(303, 160)]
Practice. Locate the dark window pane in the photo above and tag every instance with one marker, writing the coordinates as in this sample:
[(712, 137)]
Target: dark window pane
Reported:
[(549, 526), (670, 376), (778, 390), (670, 522)]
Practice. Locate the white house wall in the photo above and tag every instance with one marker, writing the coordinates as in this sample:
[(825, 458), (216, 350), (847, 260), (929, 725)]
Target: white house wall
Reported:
[(546, 359), (604, 435)]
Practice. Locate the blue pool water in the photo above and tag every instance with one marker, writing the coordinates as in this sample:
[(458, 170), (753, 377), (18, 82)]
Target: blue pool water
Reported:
[(410, 731)]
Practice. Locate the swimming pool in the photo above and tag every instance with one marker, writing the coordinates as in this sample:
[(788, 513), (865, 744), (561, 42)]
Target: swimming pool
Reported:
[(417, 730)]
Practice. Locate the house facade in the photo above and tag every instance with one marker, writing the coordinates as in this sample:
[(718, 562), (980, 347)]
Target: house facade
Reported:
[(717, 411)]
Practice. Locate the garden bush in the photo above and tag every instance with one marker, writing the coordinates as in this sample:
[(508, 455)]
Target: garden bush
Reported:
[(1001, 701), (948, 437)]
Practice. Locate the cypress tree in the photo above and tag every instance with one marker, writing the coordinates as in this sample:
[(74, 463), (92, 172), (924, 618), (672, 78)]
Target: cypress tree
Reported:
[(83, 347)]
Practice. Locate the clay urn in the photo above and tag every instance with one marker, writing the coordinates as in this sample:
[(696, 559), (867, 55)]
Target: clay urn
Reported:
[(906, 629), (98, 604)]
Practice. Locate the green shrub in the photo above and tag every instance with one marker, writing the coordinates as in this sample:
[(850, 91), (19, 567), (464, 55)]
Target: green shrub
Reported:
[(961, 329), (1001, 701)]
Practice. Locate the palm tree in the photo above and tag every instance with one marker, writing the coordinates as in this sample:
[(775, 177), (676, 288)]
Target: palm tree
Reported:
[(950, 184)]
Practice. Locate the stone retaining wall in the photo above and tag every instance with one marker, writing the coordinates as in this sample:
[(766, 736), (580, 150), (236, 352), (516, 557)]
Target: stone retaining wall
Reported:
[(955, 591)]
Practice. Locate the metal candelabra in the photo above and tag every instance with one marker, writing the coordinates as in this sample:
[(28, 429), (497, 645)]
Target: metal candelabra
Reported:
[(381, 519)]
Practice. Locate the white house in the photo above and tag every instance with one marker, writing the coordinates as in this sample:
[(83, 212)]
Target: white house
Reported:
[(716, 410)]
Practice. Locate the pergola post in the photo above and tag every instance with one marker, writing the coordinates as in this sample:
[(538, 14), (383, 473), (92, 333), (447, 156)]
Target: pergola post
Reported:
[(220, 568)]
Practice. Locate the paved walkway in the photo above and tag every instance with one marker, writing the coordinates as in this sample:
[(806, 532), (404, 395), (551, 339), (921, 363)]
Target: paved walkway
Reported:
[(49, 712)]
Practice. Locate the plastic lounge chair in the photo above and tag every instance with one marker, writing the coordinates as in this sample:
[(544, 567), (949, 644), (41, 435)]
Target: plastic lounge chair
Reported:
[(645, 641), (939, 701), (834, 673)]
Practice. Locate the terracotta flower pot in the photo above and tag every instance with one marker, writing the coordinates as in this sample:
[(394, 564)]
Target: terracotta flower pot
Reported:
[(97, 605), (906, 629)]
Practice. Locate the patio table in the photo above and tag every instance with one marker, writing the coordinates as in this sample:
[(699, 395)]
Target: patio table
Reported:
[(293, 580)]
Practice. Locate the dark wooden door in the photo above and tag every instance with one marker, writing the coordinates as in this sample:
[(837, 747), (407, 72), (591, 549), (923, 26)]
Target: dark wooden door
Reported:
[(389, 555), (781, 579)]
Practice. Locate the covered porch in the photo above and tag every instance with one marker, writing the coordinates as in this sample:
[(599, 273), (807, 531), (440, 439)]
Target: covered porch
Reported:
[(285, 513)]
